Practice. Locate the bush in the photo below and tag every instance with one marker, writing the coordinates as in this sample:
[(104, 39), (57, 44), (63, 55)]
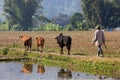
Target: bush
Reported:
[(52, 27), (5, 51)]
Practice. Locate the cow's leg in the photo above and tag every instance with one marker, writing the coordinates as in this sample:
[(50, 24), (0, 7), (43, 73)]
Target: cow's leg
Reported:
[(68, 52), (61, 50), (25, 47), (41, 48), (30, 47), (38, 47), (68, 47)]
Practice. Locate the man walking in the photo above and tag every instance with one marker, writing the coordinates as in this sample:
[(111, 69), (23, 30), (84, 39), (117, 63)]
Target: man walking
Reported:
[(99, 39)]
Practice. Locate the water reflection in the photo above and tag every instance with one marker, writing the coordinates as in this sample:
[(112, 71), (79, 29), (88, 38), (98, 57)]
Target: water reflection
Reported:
[(28, 68), (20, 71), (40, 69), (64, 74)]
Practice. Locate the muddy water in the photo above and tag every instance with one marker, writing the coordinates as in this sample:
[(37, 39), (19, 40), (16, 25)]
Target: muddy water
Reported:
[(20, 71)]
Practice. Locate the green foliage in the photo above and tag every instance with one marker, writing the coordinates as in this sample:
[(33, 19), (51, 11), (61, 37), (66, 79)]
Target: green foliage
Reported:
[(52, 27), (21, 12), (3, 26), (5, 51), (39, 28), (104, 12), (57, 58), (92, 11), (75, 19), (16, 27), (69, 27), (14, 45)]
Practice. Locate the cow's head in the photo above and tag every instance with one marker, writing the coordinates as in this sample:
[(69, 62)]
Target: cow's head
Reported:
[(59, 38), (39, 38)]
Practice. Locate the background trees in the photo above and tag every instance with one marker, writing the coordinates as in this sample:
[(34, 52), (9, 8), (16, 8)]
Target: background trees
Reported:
[(21, 12), (28, 15), (104, 12), (76, 19)]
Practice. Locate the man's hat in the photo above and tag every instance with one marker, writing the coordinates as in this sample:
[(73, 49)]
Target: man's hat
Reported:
[(98, 27)]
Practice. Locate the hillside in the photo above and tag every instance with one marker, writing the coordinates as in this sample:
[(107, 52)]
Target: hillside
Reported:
[(55, 7)]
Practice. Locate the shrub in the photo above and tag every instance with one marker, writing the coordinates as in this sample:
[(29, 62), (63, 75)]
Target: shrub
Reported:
[(52, 27), (5, 51)]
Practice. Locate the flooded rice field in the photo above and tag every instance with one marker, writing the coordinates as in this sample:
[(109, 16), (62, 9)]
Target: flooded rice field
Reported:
[(22, 71)]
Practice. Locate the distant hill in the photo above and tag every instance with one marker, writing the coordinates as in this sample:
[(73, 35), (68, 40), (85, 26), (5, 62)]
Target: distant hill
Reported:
[(55, 7)]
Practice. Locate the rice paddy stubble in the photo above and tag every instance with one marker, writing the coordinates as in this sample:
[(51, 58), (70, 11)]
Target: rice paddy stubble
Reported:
[(81, 41)]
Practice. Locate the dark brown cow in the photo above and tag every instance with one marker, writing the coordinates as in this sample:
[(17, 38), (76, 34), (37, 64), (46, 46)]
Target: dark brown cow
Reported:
[(27, 41), (64, 41), (40, 43)]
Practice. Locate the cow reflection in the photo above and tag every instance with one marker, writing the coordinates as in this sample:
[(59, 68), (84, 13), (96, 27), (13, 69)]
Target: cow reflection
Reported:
[(27, 68), (40, 69), (62, 74)]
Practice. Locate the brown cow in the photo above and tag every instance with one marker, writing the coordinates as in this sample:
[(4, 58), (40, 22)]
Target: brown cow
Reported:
[(40, 43), (27, 41)]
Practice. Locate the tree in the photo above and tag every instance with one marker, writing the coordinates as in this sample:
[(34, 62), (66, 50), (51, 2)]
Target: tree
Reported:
[(93, 11), (62, 20), (76, 19), (87, 11), (116, 12), (111, 14), (21, 12), (104, 12)]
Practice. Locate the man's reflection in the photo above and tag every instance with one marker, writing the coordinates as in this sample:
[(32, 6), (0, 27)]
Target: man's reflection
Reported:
[(27, 68), (40, 69), (62, 74)]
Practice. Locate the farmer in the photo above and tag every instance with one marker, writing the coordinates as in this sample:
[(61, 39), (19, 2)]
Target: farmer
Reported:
[(99, 39)]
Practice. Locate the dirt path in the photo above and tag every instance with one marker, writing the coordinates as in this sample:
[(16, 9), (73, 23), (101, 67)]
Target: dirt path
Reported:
[(81, 57)]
